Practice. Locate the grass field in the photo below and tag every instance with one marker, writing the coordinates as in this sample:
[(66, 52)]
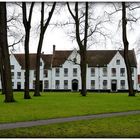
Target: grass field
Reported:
[(124, 127), (54, 105)]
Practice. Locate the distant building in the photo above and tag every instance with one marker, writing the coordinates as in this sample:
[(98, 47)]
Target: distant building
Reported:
[(106, 71)]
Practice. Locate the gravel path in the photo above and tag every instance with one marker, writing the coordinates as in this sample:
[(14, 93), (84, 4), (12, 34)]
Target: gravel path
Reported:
[(60, 120)]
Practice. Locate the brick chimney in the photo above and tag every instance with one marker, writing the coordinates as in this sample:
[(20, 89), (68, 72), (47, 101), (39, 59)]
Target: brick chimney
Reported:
[(53, 55), (54, 48)]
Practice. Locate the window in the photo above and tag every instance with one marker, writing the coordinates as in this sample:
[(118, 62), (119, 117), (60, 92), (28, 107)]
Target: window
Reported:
[(104, 84), (57, 84), (122, 84), (113, 71), (74, 72), (92, 84), (18, 75), (117, 62), (45, 73), (65, 84), (122, 72), (92, 71), (132, 71), (12, 74), (57, 71), (46, 84), (12, 67), (104, 71), (65, 72)]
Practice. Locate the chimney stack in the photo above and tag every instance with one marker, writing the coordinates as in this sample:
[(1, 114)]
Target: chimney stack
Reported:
[(54, 48)]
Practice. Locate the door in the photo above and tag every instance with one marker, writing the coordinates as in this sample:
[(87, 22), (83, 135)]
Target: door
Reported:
[(18, 86), (75, 85), (114, 85)]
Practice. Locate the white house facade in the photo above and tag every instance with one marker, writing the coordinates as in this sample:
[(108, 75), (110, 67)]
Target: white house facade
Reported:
[(106, 71)]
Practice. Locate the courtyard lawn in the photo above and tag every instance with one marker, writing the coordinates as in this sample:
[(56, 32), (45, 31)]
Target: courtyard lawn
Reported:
[(54, 105), (125, 126)]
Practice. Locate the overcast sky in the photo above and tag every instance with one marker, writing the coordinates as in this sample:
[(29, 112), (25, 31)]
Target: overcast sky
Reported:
[(59, 35)]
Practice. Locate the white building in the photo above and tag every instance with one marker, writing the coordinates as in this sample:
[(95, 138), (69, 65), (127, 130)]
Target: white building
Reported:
[(106, 71)]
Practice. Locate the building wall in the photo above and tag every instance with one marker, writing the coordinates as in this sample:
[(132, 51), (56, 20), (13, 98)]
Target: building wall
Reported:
[(98, 77)]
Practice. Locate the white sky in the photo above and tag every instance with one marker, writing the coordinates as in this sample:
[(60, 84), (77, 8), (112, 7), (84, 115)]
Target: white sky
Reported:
[(59, 37)]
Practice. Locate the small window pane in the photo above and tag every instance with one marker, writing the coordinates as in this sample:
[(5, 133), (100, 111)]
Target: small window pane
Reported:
[(46, 84), (104, 84), (104, 71), (122, 72), (12, 74), (65, 72), (57, 84), (92, 84), (57, 71), (65, 84), (74, 72), (118, 62), (92, 70), (18, 75), (113, 71), (122, 84)]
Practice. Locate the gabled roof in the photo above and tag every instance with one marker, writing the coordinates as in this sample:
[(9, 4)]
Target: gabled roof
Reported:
[(103, 57), (21, 59), (94, 57), (47, 60), (60, 57)]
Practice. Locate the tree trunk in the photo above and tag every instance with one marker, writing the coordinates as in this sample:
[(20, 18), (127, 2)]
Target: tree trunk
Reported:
[(2, 74), (27, 26), (83, 67), (126, 48), (37, 83), (42, 32), (27, 64), (5, 54)]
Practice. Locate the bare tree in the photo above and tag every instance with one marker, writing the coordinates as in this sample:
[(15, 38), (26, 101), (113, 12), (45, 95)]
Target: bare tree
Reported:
[(126, 49), (5, 54), (82, 43), (27, 25), (2, 73), (43, 28)]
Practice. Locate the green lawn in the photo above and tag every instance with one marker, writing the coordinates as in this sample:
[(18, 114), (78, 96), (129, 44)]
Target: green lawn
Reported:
[(126, 126), (54, 105)]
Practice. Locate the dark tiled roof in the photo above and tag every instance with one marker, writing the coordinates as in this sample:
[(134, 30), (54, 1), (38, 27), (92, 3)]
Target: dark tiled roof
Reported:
[(94, 58), (47, 59), (103, 57), (60, 57), (21, 59)]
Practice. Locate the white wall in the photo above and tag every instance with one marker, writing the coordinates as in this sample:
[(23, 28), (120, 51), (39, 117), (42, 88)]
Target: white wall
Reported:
[(70, 65)]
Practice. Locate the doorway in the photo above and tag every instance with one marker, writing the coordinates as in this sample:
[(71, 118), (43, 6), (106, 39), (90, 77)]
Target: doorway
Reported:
[(18, 86), (114, 85), (75, 85)]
